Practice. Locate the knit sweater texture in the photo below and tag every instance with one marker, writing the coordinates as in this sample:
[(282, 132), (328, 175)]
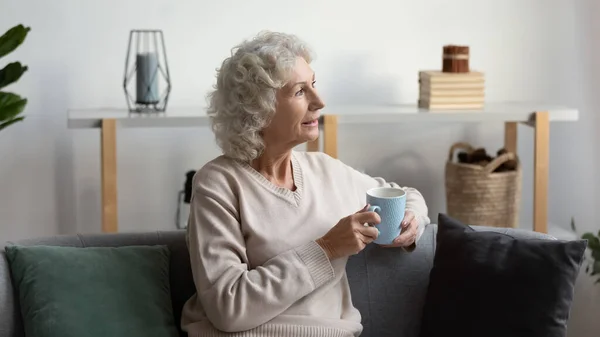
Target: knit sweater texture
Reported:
[(256, 266)]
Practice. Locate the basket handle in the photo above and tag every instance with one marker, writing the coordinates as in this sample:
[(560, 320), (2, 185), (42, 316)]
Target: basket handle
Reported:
[(459, 146), (494, 164)]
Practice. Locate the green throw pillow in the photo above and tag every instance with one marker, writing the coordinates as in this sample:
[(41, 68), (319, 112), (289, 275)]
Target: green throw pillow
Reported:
[(94, 291)]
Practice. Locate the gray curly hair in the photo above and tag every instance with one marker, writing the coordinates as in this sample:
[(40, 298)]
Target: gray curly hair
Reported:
[(243, 101)]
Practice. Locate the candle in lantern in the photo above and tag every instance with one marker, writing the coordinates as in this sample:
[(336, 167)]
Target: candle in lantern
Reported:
[(147, 78)]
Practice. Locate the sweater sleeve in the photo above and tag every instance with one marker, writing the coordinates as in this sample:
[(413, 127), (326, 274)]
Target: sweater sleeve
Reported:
[(235, 297)]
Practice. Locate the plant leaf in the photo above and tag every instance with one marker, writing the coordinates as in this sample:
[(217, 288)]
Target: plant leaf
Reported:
[(11, 73), (593, 241), (588, 236), (12, 39), (11, 105), (596, 254), (596, 268), (10, 122)]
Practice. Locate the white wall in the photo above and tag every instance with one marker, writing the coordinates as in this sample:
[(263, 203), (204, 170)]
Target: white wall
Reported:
[(577, 171), (367, 52)]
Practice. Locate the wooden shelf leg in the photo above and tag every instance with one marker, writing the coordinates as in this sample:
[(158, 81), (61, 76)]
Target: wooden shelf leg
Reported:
[(109, 175), (510, 136), (510, 144), (541, 171), (330, 135)]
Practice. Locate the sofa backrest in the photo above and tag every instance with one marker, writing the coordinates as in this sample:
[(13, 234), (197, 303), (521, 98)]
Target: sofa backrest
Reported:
[(388, 285)]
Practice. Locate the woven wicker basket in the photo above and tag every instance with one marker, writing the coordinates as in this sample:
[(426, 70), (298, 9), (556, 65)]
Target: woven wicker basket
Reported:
[(476, 195)]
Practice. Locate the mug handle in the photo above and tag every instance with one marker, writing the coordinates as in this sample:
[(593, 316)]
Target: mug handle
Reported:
[(375, 209)]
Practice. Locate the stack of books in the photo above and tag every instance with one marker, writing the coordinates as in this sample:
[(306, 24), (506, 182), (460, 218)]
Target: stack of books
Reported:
[(451, 91)]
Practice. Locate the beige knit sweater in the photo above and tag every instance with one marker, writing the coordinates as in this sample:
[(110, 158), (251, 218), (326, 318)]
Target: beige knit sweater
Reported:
[(257, 268)]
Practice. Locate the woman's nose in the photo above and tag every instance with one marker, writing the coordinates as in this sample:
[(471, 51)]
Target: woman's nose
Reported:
[(316, 103)]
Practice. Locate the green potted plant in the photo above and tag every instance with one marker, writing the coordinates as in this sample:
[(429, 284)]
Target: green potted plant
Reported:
[(593, 266), (11, 104)]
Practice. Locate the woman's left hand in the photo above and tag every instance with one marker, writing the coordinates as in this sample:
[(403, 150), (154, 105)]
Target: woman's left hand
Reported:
[(408, 235)]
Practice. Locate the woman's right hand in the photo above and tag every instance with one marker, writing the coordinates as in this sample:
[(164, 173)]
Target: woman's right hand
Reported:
[(350, 235)]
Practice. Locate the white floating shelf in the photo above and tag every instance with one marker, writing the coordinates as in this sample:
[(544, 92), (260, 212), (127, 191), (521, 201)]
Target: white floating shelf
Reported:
[(173, 117), (347, 114), (493, 112)]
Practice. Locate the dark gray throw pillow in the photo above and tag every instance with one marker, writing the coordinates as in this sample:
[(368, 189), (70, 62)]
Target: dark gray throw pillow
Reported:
[(491, 284)]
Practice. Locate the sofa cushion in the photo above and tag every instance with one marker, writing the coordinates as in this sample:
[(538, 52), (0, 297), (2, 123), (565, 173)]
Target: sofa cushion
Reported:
[(490, 284), (96, 291)]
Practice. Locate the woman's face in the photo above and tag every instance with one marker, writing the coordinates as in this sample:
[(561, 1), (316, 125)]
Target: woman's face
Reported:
[(297, 110)]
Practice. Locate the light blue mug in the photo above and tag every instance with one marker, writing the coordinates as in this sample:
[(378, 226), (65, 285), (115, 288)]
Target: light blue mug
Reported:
[(390, 204)]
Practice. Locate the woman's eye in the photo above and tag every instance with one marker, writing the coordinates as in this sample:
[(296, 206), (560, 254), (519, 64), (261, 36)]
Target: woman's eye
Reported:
[(299, 92), (313, 83)]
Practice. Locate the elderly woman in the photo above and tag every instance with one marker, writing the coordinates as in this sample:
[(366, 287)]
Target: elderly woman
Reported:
[(271, 228)]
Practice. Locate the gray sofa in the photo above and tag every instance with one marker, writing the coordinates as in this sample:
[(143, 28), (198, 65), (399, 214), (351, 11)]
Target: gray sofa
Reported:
[(388, 285)]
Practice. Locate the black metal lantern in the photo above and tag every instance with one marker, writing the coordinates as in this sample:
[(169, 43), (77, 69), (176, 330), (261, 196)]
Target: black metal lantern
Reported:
[(146, 72)]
